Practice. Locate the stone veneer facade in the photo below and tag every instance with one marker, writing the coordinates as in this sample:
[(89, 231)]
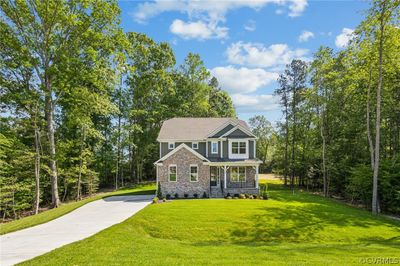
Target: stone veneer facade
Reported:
[(183, 159)]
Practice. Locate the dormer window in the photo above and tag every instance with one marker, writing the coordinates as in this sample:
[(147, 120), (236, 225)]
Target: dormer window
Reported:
[(195, 145), (171, 145)]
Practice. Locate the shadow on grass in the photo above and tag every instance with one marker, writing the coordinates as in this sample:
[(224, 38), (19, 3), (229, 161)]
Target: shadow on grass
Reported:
[(315, 220)]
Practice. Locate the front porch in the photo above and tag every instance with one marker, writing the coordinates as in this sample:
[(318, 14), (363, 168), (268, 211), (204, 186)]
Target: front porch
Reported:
[(232, 178)]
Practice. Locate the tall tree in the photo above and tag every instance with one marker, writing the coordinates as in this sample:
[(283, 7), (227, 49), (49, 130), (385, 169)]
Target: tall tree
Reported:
[(57, 36)]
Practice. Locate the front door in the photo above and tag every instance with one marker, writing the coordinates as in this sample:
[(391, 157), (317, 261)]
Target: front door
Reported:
[(214, 176)]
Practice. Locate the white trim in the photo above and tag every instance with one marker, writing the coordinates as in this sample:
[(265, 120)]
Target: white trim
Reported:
[(160, 149), (180, 140), (239, 155), (222, 148), (218, 129), (183, 145), (256, 176), (254, 148), (169, 172), (240, 127), (206, 148), (245, 174), (224, 176), (190, 172), (197, 143), (171, 144), (212, 151), (240, 163)]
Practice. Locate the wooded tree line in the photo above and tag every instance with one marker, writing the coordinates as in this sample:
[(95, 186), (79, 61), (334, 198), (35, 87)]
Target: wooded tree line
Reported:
[(82, 102), (341, 128)]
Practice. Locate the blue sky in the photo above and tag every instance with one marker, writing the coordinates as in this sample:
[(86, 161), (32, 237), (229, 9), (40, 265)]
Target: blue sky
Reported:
[(245, 44)]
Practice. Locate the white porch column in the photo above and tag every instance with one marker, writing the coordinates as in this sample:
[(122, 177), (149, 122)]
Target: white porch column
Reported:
[(225, 176), (257, 176)]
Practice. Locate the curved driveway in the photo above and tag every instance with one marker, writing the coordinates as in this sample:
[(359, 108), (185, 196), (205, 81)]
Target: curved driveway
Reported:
[(76, 225)]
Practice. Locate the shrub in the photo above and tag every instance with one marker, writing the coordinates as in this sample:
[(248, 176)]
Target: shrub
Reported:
[(186, 195), (236, 195), (265, 195), (235, 198), (255, 196), (164, 199), (155, 200), (176, 196), (261, 197), (159, 194), (242, 196), (168, 196), (195, 195), (204, 195), (251, 197), (228, 197)]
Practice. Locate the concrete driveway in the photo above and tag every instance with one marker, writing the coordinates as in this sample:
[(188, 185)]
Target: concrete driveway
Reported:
[(79, 224)]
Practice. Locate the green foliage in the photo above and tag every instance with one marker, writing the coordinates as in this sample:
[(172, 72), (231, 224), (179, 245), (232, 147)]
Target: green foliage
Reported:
[(95, 95), (155, 200), (159, 194)]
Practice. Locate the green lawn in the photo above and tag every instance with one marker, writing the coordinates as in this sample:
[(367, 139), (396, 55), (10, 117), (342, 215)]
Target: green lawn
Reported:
[(68, 207), (300, 229)]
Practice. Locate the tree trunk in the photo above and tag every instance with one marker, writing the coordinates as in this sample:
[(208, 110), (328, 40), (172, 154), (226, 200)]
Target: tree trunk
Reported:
[(375, 203), (83, 139), (370, 143), (286, 146), (293, 138), (37, 169), (49, 113)]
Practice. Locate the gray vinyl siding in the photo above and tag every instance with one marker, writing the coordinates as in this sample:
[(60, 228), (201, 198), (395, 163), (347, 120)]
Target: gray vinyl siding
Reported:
[(223, 131), (214, 155), (251, 149), (165, 150), (238, 134)]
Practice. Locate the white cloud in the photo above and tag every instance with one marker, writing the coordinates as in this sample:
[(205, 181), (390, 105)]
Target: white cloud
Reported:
[(198, 30), (255, 103), (297, 7), (250, 25), (214, 10), (209, 12), (258, 55), (343, 39), (305, 36), (242, 80)]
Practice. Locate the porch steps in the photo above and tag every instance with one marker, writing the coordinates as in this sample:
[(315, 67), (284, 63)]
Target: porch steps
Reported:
[(216, 193)]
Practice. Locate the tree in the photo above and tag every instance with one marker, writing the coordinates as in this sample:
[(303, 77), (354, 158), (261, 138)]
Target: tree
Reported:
[(263, 129), (57, 38)]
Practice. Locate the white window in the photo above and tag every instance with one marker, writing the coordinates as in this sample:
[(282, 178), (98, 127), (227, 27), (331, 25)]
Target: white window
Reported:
[(172, 175), (214, 147), (239, 147), (171, 145), (194, 173), (238, 174), (195, 145)]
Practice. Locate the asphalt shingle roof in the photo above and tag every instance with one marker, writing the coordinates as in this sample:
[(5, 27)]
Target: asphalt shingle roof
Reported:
[(193, 128)]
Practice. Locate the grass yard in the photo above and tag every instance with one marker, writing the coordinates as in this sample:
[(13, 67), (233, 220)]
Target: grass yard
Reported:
[(300, 229), (52, 214)]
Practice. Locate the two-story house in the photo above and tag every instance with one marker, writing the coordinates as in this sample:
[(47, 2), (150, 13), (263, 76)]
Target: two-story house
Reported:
[(212, 155)]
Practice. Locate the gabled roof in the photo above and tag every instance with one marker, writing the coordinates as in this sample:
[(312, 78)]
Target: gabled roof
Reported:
[(182, 146), (246, 130), (192, 128)]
